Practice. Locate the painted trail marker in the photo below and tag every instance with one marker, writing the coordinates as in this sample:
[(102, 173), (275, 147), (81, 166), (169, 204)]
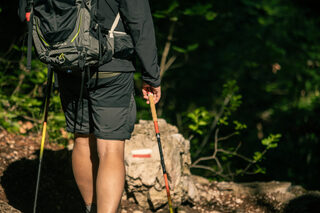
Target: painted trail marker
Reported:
[(141, 153)]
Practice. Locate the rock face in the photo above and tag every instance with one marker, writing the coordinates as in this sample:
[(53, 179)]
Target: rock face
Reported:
[(5, 208), (144, 178)]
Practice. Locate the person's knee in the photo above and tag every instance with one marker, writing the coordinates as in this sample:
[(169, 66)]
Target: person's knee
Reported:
[(84, 139), (110, 148), (85, 145)]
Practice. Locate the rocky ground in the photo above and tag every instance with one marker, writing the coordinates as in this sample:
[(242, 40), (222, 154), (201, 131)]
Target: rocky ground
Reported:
[(58, 192)]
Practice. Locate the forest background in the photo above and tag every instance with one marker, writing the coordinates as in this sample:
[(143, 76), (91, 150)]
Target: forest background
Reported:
[(240, 79)]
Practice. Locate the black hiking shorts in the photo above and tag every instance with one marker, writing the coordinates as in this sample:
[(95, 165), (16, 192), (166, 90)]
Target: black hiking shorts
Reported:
[(107, 108)]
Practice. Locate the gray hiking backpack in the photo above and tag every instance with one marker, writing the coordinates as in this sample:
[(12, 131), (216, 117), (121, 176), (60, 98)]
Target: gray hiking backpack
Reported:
[(67, 35)]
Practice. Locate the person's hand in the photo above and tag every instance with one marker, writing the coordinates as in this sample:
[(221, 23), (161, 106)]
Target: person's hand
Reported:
[(156, 91)]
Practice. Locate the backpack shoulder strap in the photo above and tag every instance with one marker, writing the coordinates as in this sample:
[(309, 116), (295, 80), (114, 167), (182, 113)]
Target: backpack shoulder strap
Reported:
[(114, 25)]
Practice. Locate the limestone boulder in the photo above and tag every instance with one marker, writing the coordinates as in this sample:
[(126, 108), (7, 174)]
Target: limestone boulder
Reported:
[(144, 175)]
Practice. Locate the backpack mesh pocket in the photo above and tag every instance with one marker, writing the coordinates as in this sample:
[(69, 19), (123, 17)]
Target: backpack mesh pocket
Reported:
[(57, 18)]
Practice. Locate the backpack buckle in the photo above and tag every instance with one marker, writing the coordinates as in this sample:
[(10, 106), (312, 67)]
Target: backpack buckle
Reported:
[(61, 58)]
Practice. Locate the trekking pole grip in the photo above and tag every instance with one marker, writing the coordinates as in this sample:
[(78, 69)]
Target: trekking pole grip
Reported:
[(153, 107)]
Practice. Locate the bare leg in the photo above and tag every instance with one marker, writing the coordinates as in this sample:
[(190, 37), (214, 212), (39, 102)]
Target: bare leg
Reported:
[(84, 164), (111, 175)]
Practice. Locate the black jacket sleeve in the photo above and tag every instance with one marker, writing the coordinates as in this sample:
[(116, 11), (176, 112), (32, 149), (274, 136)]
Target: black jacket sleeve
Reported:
[(137, 17)]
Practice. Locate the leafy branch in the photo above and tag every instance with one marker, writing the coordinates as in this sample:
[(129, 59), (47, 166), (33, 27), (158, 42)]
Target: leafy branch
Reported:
[(230, 103), (270, 142), (221, 156)]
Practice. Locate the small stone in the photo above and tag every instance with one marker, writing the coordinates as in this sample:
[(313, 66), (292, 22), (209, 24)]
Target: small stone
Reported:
[(10, 142), (239, 201)]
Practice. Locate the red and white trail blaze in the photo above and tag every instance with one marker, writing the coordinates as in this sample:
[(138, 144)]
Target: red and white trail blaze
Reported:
[(141, 153)]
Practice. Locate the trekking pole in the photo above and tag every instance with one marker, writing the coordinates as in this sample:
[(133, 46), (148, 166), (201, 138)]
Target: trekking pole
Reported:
[(156, 127), (44, 130), (29, 18)]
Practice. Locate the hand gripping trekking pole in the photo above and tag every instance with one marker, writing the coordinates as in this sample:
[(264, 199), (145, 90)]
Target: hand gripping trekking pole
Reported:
[(44, 130), (155, 121)]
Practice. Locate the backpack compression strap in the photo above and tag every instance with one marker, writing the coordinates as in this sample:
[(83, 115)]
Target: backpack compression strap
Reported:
[(111, 31), (114, 25)]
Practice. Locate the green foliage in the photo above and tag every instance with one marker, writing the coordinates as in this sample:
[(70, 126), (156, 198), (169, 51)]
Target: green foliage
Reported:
[(167, 12), (232, 100), (201, 10), (221, 160), (21, 100), (175, 10), (199, 120), (230, 90), (259, 169), (188, 49), (271, 141), (174, 14), (257, 156), (239, 126)]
